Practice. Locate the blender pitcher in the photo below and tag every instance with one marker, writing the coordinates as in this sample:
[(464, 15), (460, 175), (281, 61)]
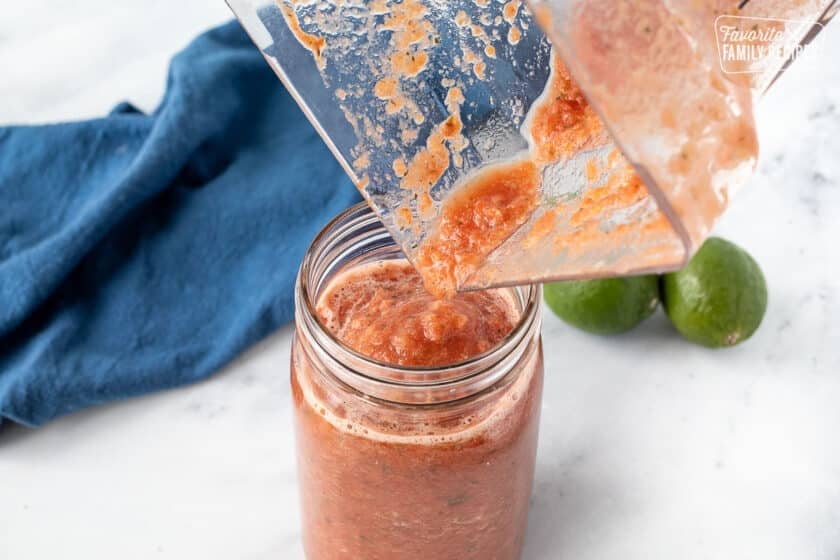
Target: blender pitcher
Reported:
[(503, 143)]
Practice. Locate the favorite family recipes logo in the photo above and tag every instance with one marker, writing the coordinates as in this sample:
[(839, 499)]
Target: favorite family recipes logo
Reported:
[(749, 45)]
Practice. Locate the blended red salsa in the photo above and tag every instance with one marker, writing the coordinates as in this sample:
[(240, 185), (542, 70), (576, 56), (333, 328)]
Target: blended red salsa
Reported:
[(384, 481), (384, 312), (475, 219)]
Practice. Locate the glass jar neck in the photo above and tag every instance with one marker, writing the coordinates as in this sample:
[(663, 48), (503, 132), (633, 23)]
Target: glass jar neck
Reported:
[(357, 237)]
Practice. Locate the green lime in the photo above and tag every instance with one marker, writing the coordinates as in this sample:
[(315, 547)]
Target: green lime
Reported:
[(606, 306), (719, 298)]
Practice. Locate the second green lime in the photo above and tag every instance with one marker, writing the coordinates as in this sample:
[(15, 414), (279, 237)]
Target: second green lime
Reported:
[(719, 299), (605, 306)]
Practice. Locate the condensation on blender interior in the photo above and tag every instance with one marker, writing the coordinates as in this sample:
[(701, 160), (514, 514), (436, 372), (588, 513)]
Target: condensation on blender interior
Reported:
[(375, 55)]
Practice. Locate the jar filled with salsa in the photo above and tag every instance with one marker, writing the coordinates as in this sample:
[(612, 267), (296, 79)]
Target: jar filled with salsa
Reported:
[(416, 418)]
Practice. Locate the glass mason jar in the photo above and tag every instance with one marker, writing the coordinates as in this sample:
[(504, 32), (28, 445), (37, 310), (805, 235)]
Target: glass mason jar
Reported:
[(410, 463)]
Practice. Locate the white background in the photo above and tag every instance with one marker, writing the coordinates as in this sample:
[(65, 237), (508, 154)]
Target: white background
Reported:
[(650, 447)]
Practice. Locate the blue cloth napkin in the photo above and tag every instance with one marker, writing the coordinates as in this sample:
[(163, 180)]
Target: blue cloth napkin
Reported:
[(140, 252)]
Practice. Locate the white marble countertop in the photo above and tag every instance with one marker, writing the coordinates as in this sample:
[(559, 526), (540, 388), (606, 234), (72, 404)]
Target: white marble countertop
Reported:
[(650, 448)]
